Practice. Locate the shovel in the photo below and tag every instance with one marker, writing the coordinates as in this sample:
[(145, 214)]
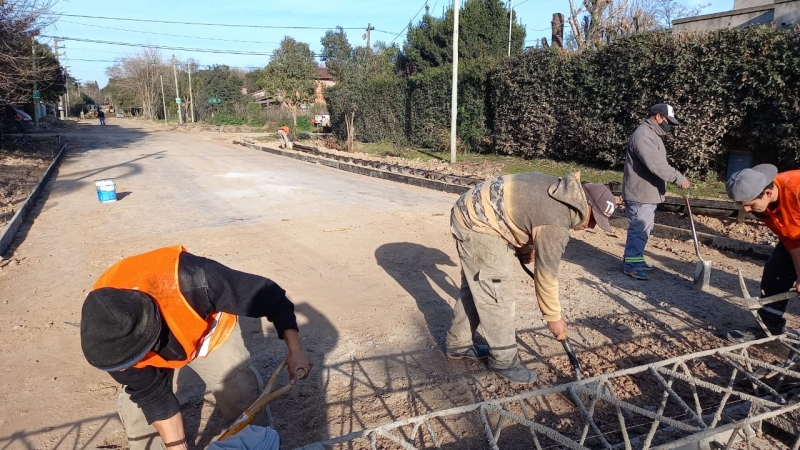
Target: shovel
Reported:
[(262, 402), (753, 304), (702, 272)]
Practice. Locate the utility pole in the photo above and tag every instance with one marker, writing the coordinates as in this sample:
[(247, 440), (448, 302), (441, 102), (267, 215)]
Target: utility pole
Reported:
[(163, 99), (191, 95), (177, 94), (66, 83), (35, 86), (454, 97), (510, 22), (61, 96), (557, 26), (369, 28)]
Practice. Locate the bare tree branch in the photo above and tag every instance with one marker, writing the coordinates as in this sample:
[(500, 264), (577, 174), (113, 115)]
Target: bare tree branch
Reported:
[(20, 23)]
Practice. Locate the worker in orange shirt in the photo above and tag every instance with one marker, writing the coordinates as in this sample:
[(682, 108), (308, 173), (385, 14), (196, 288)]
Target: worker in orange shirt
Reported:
[(773, 198), (284, 132)]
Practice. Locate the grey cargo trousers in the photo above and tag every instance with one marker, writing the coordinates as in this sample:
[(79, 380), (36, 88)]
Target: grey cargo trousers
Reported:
[(487, 295), (227, 373)]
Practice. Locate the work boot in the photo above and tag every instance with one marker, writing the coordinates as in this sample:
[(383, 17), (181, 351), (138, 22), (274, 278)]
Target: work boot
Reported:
[(517, 373), (774, 322), (475, 352), (637, 274)]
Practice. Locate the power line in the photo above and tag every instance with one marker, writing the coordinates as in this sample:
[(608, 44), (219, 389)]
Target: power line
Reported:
[(167, 47), (198, 65), (167, 34), (92, 60), (206, 24), (80, 49), (409, 23)]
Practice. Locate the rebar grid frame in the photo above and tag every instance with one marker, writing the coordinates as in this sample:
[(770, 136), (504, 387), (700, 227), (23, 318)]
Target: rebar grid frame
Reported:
[(743, 392)]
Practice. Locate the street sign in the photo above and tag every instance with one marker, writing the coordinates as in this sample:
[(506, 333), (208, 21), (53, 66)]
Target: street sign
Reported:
[(178, 100), (213, 100), (37, 95)]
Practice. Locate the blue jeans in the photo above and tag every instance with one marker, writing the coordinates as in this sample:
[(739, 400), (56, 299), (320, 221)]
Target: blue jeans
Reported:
[(640, 223)]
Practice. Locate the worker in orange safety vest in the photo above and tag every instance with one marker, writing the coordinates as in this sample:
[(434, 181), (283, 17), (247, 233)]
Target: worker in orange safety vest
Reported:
[(150, 314)]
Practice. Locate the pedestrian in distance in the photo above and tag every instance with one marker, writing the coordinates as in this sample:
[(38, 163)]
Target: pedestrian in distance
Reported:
[(644, 184), (498, 223), (101, 115), (284, 133), (775, 199), (153, 313)]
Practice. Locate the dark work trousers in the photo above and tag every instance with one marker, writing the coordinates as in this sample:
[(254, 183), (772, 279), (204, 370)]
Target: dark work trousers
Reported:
[(778, 277)]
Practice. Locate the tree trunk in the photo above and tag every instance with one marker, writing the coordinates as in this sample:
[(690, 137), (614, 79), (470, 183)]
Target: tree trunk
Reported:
[(348, 120)]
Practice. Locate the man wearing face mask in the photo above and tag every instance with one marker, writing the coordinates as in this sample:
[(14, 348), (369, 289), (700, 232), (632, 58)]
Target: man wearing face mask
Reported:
[(644, 184)]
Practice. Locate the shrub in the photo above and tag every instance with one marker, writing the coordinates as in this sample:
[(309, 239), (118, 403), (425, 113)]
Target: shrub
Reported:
[(731, 89)]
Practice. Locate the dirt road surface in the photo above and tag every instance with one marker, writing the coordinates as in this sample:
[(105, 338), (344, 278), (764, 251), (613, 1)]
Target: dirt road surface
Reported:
[(370, 265)]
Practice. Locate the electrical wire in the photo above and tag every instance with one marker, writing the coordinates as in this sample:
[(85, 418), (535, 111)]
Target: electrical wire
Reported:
[(207, 24), (92, 60), (80, 49), (167, 34), (198, 65), (167, 47), (409, 23)]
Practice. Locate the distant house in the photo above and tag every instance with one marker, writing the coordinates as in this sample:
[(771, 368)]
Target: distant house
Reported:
[(261, 98), (324, 80), (782, 13)]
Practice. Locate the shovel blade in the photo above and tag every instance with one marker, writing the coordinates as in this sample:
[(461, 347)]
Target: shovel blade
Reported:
[(702, 275)]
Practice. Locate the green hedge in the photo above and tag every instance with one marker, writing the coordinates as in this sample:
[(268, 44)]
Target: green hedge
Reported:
[(378, 106), (414, 110), (733, 89)]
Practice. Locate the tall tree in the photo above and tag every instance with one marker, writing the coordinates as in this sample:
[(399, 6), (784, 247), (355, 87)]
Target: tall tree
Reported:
[(124, 99), (483, 33), (92, 90), (221, 82), (336, 51), (251, 80), (138, 77), (290, 75)]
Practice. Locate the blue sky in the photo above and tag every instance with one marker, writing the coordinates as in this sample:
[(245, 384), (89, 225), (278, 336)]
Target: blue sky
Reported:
[(388, 18)]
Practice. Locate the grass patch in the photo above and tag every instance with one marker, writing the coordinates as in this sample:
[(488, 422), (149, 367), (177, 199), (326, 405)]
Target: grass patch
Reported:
[(700, 188)]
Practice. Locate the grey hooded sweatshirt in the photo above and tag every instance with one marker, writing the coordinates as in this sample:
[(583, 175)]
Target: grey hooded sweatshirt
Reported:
[(647, 171), (529, 209)]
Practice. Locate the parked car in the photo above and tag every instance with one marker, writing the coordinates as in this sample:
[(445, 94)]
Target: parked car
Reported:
[(120, 114), (14, 120)]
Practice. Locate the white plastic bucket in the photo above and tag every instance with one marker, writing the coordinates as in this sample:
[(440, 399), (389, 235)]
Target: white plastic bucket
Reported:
[(106, 190)]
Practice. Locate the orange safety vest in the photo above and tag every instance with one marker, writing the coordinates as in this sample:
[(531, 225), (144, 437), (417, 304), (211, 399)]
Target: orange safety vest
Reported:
[(285, 130), (156, 274)]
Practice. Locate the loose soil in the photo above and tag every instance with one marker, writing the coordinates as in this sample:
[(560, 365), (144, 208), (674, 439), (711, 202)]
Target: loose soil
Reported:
[(374, 283), (21, 167)]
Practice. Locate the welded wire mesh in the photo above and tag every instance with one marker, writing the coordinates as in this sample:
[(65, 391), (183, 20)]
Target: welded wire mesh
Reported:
[(660, 405)]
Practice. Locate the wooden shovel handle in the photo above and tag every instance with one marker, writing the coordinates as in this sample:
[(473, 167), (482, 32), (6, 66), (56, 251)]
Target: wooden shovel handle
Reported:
[(262, 401)]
